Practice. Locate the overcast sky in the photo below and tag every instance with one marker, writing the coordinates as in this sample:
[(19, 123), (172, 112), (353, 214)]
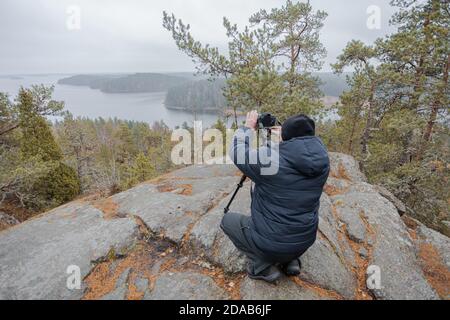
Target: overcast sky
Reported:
[(127, 35)]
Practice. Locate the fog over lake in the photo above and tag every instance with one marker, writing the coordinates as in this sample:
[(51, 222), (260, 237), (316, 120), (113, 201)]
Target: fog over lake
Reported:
[(86, 102)]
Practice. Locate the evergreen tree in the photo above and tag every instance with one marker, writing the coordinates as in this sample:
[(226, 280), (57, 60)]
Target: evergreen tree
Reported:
[(268, 64), (141, 170), (39, 179), (420, 51), (36, 138), (393, 116)]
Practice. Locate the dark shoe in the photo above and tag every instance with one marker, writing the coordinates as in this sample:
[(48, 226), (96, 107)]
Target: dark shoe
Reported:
[(292, 268), (270, 274)]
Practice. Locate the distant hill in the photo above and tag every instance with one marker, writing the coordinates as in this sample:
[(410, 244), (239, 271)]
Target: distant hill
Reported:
[(92, 81), (135, 83), (142, 82), (185, 91), (188, 75), (202, 95)]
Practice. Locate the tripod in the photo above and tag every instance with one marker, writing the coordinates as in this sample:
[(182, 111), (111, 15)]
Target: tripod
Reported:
[(244, 177), (239, 186)]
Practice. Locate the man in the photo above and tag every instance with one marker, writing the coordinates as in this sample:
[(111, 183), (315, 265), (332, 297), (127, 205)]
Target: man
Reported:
[(284, 211)]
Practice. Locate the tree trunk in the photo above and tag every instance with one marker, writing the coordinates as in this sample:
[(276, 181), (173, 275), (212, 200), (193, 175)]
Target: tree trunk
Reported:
[(9, 129), (366, 131), (352, 134), (437, 103), (434, 112), (418, 83)]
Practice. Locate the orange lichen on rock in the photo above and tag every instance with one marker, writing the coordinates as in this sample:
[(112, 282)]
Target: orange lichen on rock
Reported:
[(168, 264), (133, 292), (321, 292), (144, 231), (436, 272), (108, 207), (335, 250), (411, 226), (102, 280), (361, 263), (187, 235), (409, 222), (230, 283), (360, 271), (183, 189), (341, 173), (186, 189), (104, 276), (332, 190), (165, 187)]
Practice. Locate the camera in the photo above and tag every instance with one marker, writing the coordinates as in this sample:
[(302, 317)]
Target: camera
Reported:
[(266, 120)]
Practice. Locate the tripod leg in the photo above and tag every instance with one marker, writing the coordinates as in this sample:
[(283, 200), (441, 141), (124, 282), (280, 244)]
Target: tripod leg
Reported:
[(240, 185)]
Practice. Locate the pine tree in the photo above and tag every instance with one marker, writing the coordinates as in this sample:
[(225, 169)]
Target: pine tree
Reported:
[(268, 64), (420, 51), (36, 138), (46, 180), (141, 170), (393, 116)]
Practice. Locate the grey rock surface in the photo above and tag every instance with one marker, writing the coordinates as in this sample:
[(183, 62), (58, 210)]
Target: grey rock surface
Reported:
[(358, 227), (185, 286), (395, 201), (285, 290), (120, 292), (171, 206), (141, 284), (392, 247), (325, 262), (207, 236), (321, 266), (440, 242), (35, 255), (345, 167)]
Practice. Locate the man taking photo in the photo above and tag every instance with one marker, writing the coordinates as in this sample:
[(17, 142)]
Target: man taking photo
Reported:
[(285, 205)]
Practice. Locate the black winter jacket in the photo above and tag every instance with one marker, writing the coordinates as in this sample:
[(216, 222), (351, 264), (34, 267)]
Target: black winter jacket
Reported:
[(285, 202)]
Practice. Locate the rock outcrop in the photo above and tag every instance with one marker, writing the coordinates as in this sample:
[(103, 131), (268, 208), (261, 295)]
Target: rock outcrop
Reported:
[(7, 221), (161, 240)]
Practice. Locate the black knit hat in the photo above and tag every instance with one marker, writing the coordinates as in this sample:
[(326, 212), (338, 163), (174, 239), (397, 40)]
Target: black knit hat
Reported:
[(298, 126)]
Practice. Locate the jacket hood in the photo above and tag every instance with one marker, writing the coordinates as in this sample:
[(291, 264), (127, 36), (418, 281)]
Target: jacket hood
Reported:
[(308, 155)]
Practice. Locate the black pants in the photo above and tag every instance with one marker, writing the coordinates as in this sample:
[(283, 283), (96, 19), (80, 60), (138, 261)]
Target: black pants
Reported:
[(236, 227)]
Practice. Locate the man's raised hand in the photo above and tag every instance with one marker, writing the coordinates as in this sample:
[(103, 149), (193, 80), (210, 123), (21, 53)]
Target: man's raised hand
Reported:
[(252, 119)]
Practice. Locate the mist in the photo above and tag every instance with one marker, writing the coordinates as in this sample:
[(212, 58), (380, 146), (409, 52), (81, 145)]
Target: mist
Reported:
[(114, 36)]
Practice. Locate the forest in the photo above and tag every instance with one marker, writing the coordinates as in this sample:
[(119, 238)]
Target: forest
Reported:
[(207, 95), (126, 83), (45, 164), (393, 115), (197, 96)]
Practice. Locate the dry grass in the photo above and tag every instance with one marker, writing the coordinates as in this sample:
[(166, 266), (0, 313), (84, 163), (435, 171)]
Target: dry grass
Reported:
[(435, 270), (104, 276)]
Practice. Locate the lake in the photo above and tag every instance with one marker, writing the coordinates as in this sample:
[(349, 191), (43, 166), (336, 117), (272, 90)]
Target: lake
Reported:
[(86, 102)]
